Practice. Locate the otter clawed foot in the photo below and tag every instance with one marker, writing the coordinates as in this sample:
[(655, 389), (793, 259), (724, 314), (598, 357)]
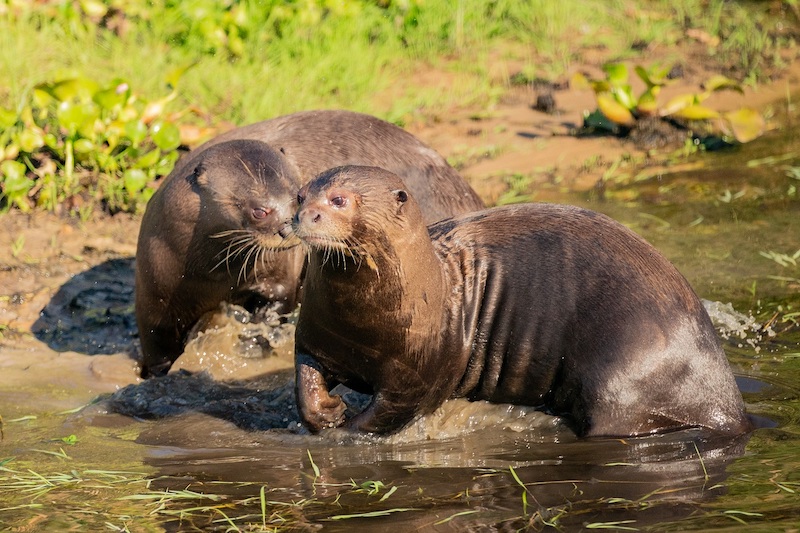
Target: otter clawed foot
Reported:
[(328, 413)]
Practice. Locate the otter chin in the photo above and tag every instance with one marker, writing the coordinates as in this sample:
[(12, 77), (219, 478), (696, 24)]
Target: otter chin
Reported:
[(545, 305)]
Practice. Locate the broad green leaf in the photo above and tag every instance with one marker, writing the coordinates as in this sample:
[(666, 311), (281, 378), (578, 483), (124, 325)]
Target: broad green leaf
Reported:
[(77, 116), (82, 89), (134, 179), (149, 159), (614, 111), (167, 163), (624, 95), (112, 97), (166, 135), (174, 75), (41, 97), (654, 76), (16, 184), (696, 112), (7, 118), (136, 131), (648, 104), (30, 139), (83, 146), (719, 82), (13, 173), (107, 162), (617, 73), (746, 124)]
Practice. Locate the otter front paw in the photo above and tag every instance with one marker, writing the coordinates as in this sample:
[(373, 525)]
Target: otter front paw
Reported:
[(325, 413)]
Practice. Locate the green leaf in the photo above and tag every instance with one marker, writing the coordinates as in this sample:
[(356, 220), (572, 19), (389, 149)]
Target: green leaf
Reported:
[(135, 180), (696, 112), (83, 146), (719, 82), (167, 163), (647, 104), (136, 131), (617, 73), (114, 96), (7, 118), (149, 159), (679, 102), (745, 124), (579, 82), (80, 116), (624, 95), (174, 75), (166, 135), (614, 111), (30, 139), (82, 89), (654, 76), (16, 184)]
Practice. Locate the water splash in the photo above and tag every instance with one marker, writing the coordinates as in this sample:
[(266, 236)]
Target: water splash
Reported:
[(733, 325)]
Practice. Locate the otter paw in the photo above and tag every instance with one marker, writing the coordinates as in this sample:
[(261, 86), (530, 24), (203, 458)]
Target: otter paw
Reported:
[(328, 413)]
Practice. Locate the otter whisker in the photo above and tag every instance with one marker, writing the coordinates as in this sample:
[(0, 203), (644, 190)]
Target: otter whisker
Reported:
[(234, 248)]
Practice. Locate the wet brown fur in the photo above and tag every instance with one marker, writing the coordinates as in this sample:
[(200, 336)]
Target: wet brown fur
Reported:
[(538, 304)]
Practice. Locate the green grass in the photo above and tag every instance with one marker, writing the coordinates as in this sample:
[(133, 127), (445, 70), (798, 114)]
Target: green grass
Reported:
[(306, 56), (248, 60)]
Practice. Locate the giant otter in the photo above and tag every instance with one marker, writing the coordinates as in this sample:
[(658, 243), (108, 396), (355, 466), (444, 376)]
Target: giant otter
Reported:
[(538, 304), (209, 232)]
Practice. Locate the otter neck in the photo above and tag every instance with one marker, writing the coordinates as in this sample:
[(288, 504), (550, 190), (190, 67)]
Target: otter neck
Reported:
[(392, 293)]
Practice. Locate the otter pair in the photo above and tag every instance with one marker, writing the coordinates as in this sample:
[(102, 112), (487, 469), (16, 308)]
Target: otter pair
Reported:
[(543, 305)]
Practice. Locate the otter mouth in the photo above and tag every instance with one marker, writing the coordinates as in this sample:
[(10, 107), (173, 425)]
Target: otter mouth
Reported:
[(277, 242), (323, 242)]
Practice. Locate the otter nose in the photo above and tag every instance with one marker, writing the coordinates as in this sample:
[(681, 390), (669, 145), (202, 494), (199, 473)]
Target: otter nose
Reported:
[(309, 216)]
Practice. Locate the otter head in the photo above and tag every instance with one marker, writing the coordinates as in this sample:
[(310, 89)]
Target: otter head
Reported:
[(356, 212), (247, 193)]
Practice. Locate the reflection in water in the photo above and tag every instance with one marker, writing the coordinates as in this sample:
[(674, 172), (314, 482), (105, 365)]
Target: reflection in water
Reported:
[(648, 479)]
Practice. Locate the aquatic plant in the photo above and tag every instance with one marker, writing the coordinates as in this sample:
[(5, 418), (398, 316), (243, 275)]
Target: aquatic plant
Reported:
[(620, 110), (74, 141)]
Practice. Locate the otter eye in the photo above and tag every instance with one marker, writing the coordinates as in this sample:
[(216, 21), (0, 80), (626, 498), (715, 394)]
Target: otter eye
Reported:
[(260, 213), (338, 201)]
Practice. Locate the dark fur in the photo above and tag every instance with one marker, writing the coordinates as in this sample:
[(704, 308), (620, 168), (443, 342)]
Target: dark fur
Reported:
[(175, 283), (538, 304)]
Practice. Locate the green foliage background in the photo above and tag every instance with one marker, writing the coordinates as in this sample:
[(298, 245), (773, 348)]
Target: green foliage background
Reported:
[(140, 67)]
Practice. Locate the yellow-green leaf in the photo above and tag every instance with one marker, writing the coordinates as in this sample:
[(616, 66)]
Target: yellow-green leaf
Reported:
[(624, 95), (696, 112), (719, 82), (30, 139), (746, 124), (679, 102), (614, 111), (647, 104), (617, 73)]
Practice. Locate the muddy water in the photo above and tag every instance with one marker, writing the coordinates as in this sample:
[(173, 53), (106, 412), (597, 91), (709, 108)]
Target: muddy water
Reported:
[(196, 451)]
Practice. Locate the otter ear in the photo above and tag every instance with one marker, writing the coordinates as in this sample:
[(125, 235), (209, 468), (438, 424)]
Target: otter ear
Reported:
[(401, 197), (198, 177)]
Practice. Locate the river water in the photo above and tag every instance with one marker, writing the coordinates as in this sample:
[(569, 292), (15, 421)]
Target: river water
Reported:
[(224, 452)]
